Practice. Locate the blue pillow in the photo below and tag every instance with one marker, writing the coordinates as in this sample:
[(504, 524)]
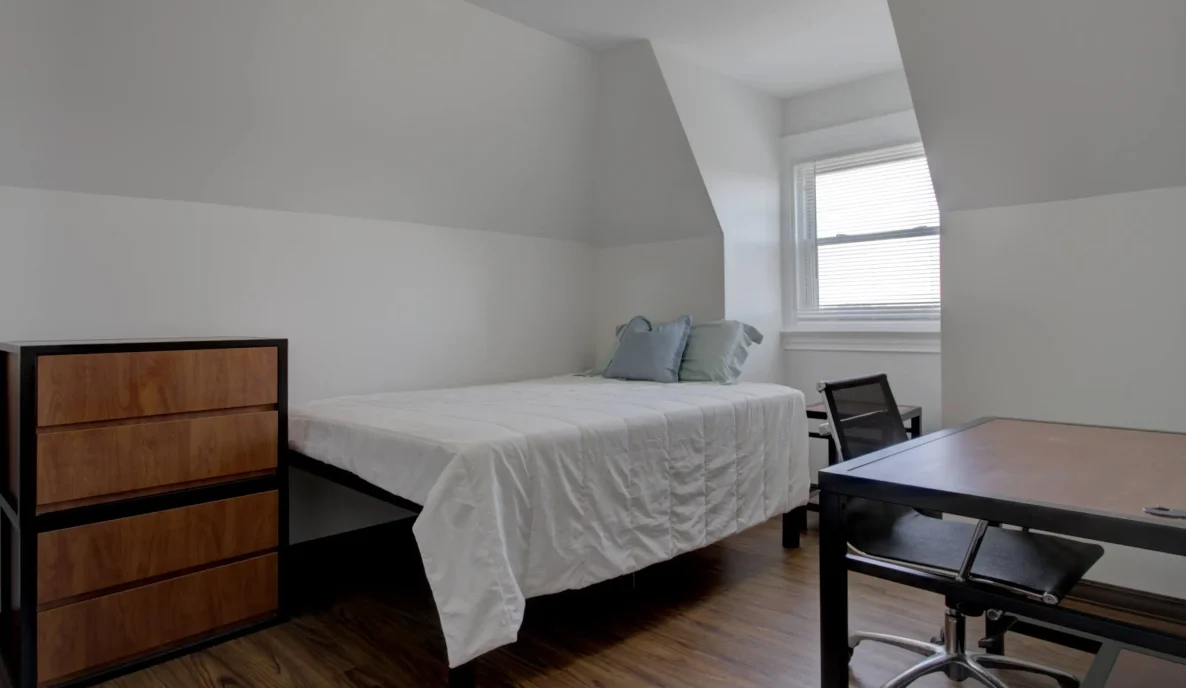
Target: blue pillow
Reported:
[(650, 353), (599, 369)]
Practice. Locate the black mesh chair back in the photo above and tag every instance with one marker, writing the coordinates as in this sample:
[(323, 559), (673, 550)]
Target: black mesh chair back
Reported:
[(863, 415)]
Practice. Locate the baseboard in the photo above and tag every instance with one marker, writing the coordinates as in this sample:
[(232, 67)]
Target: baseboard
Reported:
[(1123, 599)]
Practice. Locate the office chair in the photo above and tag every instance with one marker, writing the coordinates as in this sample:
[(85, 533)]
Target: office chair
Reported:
[(863, 417)]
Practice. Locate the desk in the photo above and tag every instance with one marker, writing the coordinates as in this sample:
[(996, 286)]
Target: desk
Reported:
[(1084, 481)]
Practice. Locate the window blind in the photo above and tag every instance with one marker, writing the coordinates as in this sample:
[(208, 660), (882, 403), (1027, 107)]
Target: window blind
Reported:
[(868, 229)]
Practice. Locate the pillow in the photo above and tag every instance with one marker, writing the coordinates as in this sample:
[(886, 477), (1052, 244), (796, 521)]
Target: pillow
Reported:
[(646, 353), (716, 351), (598, 370)]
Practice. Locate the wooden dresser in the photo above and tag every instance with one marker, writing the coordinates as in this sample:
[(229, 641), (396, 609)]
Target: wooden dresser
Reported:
[(144, 499)]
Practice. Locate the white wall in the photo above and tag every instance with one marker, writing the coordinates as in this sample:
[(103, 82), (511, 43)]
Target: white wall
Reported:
[(661, 280), (423, 115), (878, 95), (1068, 311), (431, 111), (914, 377), (367, 305), (882, 131), (733, 133), (865, 115), (1072, 311)]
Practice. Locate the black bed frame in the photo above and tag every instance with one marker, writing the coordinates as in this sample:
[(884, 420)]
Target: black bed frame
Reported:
[(793, 522)]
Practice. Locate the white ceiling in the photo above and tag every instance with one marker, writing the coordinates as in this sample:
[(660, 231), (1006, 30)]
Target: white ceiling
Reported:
[(785, 47)]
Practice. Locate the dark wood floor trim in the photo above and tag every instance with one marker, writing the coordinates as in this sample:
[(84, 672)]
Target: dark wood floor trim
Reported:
[(1140, 602)]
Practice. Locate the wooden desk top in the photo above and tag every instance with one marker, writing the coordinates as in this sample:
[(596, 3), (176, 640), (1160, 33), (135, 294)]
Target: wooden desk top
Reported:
[(1112, 471)]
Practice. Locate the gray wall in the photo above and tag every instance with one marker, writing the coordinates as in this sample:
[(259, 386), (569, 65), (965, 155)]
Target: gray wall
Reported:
[(647, 185), (431, 111), (1022, 101), (660, 252)]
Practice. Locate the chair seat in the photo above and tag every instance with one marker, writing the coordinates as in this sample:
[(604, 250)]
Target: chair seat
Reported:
[(1034, 562)]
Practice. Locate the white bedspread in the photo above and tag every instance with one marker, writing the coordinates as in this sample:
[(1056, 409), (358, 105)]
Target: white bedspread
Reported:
[(535, 487)]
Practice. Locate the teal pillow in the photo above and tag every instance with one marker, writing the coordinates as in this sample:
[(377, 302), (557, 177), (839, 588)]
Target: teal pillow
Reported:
[(650, 353), (599, 369), (716, 351)]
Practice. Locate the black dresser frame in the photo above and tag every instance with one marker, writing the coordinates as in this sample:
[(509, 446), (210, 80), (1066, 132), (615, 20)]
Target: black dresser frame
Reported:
[(21, 523)]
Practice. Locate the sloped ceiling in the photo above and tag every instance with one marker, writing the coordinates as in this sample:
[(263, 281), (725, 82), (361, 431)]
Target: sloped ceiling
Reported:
[(1021, 101), (431, 111), (733, 131), (648, 187)]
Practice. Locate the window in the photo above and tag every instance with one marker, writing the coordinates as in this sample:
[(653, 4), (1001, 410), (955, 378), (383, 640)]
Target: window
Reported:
[(867, 237)]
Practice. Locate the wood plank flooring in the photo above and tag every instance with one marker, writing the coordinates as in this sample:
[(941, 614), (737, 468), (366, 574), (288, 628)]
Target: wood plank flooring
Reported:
[(740, 613)]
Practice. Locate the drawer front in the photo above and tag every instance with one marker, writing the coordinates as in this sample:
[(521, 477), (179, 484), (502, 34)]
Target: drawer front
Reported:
[(82, 464), (104, 630), (94, 557), (84, 388)]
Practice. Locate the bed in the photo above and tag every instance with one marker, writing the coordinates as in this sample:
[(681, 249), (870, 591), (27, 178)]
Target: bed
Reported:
[(530, 488)]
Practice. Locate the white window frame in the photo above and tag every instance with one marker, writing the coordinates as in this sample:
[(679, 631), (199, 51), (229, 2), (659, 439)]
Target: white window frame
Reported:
[(806, 315)]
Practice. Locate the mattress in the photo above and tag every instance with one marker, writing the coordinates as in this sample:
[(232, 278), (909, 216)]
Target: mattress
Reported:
[(535, 487)]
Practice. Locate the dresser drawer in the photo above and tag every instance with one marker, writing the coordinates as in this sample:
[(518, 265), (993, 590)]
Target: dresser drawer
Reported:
[(96, 632), (83, 388), (89, 558), (89, 463)]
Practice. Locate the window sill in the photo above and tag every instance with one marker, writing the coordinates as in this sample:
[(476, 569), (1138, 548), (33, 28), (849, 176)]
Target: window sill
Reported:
[(872, 337), (865, 325)]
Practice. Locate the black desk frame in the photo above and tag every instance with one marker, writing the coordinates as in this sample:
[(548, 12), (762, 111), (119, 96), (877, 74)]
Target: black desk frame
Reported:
[(835, 561)]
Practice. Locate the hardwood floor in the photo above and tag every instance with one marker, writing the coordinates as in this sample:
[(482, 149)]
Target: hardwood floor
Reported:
[(740, 613)]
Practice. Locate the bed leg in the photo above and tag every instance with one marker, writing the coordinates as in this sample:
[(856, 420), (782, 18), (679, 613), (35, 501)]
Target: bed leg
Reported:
[(793, 523), (462, 676)]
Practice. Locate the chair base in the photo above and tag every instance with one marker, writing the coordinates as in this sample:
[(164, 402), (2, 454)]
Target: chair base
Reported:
[(952, 658)]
